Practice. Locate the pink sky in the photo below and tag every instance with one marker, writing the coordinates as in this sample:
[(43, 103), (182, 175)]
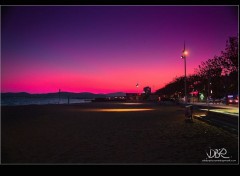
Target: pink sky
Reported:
[(107, 49)]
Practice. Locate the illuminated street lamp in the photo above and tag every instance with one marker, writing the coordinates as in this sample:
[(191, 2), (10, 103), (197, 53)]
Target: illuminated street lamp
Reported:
[(184, 56), (137, 85)]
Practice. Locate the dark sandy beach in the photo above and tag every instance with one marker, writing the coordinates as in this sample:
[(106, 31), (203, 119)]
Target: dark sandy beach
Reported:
[(86, 133)]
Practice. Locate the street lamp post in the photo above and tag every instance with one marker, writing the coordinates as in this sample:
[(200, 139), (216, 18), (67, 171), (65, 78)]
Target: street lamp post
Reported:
[(208, 91), (184, 56), (59, 97), (137, 91), (226, 88), (209, 85)]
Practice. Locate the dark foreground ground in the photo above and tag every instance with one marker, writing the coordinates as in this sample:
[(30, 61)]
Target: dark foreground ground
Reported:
[(43, 134)]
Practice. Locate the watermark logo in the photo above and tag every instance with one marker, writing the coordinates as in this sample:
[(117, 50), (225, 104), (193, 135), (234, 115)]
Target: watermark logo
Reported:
[(218, 155)]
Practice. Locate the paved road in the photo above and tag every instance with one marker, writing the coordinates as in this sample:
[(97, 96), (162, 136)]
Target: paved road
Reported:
[(232, 109), (224, 116)]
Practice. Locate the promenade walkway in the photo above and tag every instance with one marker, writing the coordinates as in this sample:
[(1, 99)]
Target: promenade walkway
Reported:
[(232, 109)]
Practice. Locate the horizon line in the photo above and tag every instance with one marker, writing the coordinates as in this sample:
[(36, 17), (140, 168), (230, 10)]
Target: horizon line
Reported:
[(62, 92)]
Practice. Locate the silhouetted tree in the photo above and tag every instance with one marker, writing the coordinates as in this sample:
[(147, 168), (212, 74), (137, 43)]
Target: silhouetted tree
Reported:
[(230, 65), (219, 74), (175, 87), (229, 57), (147, 92)]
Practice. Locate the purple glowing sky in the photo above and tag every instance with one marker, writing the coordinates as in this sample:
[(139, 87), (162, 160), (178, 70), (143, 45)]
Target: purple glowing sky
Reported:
[(104, 49)]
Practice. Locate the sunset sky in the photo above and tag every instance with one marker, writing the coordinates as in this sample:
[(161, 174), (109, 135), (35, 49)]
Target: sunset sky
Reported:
[(103, 49)]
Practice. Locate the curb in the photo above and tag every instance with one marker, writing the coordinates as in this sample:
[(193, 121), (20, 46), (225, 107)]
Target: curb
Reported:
[(233, 128)]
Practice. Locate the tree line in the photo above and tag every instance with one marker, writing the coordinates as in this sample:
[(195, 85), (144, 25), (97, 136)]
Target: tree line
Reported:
[(216, 77)]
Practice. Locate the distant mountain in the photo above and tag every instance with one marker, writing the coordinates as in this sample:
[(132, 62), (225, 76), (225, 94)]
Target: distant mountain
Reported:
[(19, 94), (116, 94), (82, 95)]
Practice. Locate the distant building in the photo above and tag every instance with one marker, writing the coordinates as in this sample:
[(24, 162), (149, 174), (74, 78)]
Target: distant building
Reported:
[(111, 98), (153, 97), (132, 96)]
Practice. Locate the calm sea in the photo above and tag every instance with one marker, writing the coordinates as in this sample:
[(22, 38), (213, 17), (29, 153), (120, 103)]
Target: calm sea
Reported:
[(16, 101)]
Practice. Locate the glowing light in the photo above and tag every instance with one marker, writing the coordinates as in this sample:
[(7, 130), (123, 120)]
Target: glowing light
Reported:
[(131, 103), (118, 110), (233, 112), (185, 52)]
